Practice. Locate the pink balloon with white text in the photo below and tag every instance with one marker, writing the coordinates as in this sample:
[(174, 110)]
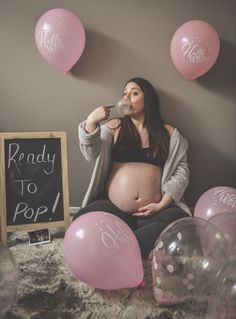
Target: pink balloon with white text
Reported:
[(194, 48), (60, 38), (216, 200), (102, 251)]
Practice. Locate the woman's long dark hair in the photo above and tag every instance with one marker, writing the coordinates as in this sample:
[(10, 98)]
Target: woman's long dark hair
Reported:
[(159, 139)]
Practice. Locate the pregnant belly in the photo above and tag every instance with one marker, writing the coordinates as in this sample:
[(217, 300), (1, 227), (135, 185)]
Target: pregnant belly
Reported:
[(133, 185)]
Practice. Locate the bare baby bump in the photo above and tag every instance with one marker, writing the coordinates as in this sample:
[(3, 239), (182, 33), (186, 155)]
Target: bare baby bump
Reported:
[(133, 185)]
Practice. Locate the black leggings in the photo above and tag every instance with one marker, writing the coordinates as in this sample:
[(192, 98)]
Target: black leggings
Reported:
[(146, 230)]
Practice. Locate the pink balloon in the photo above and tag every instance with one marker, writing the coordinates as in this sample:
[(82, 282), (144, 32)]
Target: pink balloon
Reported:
[(102, 251), (60, 38), (194, 48), (216, 200), (226, 223)]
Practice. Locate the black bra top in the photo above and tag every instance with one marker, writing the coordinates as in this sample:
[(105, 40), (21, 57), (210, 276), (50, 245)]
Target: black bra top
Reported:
[(136, 155)]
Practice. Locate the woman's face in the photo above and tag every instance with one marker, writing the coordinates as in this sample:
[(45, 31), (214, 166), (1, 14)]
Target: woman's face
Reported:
[(135, 95)]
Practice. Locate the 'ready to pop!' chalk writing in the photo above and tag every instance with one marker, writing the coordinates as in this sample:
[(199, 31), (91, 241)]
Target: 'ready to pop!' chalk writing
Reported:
[(18, 159)]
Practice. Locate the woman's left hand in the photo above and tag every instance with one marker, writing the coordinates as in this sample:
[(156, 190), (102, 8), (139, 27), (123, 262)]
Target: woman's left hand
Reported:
[(148, 210)]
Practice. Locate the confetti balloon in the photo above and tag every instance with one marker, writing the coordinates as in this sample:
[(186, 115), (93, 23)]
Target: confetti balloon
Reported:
[(187, 256), (222, 303), (123, 107), (8, 280)]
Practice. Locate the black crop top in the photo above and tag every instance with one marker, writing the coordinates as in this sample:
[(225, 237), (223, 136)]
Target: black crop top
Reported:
[(136, 155)]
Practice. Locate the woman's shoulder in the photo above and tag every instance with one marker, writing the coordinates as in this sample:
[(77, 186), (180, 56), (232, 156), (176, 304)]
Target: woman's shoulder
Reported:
[(170, 129)]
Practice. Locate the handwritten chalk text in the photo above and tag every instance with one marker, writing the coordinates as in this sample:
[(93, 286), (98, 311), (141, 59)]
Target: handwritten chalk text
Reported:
[(18, 158)]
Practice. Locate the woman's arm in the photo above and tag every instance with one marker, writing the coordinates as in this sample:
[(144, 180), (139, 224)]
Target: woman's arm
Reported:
[(176, 170), (89, 143), (90, 135), (100, 114), (178, 182)]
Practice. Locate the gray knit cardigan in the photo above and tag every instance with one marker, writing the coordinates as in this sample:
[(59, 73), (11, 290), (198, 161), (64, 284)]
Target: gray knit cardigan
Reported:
[(96, 146)]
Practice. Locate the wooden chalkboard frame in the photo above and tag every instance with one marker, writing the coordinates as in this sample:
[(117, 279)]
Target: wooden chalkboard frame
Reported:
[(4, 228)]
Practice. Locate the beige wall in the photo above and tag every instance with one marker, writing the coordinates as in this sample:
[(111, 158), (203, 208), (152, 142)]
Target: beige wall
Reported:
[(123, 39)]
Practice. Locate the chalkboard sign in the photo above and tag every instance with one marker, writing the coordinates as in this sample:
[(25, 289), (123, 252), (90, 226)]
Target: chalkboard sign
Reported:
[(34, 181)]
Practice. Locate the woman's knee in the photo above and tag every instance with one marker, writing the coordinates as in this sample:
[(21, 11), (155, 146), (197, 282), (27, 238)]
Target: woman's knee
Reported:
[(98, 205), (78, 214), (171, 214), (106, 205)]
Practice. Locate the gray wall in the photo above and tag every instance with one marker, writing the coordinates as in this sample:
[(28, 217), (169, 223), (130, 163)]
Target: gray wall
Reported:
[(123, 39)]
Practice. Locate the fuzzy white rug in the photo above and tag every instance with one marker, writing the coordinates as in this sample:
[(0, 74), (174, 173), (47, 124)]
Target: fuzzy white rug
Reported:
[(47, 289)]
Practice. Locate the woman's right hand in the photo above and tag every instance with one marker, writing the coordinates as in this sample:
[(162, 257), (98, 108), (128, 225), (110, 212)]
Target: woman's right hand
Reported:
[(100, 114)]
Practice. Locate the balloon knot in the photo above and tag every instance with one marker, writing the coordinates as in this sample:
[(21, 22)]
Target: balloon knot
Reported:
[(142, 284)]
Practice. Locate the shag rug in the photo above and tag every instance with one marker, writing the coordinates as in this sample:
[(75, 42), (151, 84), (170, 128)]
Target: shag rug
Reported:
[(48, 289)]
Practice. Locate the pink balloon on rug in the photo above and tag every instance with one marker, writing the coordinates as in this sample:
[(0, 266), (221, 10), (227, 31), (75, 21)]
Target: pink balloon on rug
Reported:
[(60, 38), (194, 48), (102, 251), (216, 200)]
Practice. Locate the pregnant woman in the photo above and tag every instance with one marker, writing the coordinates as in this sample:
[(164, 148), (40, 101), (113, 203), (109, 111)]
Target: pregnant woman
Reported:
[(141, 169)]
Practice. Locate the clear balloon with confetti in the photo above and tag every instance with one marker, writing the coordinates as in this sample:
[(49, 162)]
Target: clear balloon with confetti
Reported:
[(222, 302), (186, 259)]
